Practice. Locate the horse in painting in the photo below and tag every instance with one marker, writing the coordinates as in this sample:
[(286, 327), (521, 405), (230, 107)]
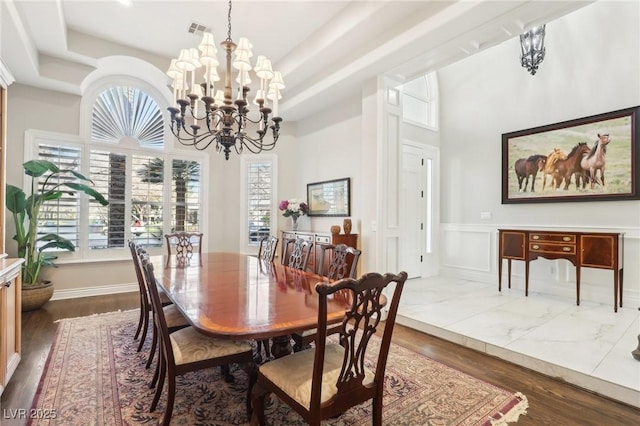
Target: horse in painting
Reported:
[(550, 165), (566, 168), (595, 160), (526, 167)]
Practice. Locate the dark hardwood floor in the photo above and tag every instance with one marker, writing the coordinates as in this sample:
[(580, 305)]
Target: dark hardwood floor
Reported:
[(551, 402)]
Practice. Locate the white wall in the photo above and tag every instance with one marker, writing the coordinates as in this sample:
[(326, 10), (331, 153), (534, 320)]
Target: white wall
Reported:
[(329, 146), (592, 66)]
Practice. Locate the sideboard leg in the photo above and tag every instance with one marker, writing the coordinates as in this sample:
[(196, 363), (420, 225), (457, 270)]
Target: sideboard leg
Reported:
[(509, 271), (526, 278), (577, 286), (499, 273), (616, 288), (620, 275), (615, 294)]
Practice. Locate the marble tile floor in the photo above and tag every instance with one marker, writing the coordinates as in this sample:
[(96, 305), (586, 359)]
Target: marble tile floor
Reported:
[(587, 345)]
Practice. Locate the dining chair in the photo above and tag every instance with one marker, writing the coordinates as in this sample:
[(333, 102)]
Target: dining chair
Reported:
[(325, 381), (298, 256), (267, 251), (187, 350), (266, 267), (175, 320), (185, 244), (343, 264)]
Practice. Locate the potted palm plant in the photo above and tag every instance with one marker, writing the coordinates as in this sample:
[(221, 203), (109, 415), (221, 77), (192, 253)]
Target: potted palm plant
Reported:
[(32, 246)]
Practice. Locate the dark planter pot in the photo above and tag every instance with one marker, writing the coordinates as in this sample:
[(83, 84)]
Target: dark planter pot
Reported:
[(34, 296)]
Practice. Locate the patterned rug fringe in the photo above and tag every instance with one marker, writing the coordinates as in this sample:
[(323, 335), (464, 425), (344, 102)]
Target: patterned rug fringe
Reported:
[(119, 311), (514, 413)]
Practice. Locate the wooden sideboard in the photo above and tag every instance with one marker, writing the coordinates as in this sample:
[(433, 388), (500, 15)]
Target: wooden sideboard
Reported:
[(319, 238), (602, 250)]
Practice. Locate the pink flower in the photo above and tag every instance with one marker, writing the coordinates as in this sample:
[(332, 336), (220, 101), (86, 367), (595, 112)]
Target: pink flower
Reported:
[(293, 208)]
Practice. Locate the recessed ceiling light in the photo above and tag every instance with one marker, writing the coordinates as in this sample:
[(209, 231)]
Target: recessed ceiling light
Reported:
[(126, 2)]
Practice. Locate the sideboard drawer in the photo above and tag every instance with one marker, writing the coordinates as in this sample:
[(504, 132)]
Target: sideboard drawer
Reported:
[(306, 237), (552, 248), (559, 238), (323, 239), (288, 235)]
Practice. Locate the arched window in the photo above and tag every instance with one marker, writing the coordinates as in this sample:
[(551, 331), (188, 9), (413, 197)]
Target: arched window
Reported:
[(151, 187), (420, 101), (120, 112)]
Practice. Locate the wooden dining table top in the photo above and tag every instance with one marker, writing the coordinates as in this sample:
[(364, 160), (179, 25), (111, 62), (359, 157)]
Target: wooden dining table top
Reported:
[(238, 295)]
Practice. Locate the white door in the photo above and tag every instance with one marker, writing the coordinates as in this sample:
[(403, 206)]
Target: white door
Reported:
[(419, 213), (412, 205)]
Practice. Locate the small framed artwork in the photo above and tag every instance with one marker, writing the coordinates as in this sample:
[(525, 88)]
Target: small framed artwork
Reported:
[(329, 198), (593, 158)]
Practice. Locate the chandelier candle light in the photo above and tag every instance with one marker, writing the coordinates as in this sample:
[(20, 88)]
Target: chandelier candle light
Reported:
[(225, 119)]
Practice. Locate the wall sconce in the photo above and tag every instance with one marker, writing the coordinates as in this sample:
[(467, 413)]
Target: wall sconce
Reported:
[(532, 45)]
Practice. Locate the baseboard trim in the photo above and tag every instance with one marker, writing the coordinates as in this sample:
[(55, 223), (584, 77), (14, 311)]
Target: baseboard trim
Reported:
[(74, 293)]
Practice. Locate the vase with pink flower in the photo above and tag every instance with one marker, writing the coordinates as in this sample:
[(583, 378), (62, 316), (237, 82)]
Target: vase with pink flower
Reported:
[(293, 208)]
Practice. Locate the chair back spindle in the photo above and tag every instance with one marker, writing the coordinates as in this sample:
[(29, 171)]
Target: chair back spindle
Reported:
[(298, 257), (268, 246), (185, 245), (343, 263)]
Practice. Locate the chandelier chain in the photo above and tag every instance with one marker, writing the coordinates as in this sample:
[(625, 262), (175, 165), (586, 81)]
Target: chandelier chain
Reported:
[(229, 23)]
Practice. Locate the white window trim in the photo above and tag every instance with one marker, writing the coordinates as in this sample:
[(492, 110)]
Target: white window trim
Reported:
[(244, 232), (432, 87), (34, 137)]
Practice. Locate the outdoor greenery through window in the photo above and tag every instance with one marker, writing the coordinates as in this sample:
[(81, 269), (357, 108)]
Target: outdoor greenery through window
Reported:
[(150, 191), (61, 216), (259, 199)]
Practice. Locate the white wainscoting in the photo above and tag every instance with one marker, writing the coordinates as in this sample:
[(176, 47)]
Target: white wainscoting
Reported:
[(471, 252)]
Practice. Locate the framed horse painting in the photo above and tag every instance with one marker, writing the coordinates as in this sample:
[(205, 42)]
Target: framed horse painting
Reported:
[(593, 158)]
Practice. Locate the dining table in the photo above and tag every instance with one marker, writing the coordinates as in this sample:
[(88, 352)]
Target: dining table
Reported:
[(239, 296)]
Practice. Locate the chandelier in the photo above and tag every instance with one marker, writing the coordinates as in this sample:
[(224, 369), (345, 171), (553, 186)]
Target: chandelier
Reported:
[(214, 116), (532, 45)]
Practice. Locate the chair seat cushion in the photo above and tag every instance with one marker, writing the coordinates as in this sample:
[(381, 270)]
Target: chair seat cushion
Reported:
[(293, 373), (174, 317), (189, 345)]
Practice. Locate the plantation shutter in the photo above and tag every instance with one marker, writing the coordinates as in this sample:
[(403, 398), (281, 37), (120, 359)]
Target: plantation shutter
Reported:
[(147, 186), (185, 196), (259, 200), (107, 223), (61, 216)]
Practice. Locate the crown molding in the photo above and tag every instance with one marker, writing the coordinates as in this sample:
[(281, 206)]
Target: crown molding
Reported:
[(6, 78)]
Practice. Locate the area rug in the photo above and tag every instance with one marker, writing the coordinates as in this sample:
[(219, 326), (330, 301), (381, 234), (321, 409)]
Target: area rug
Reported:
[(95, 376)]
